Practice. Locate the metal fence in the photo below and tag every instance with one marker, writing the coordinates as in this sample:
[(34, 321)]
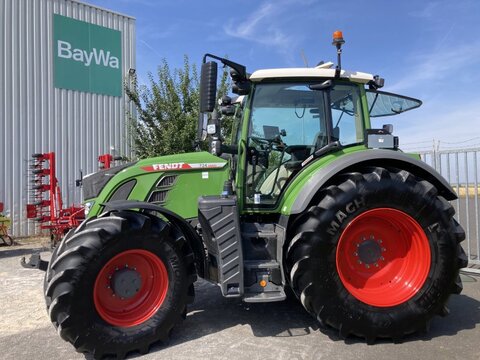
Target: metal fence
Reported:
[(461, 169)]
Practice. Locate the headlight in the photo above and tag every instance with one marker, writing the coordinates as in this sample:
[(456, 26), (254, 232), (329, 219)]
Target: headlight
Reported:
[(87, 207)]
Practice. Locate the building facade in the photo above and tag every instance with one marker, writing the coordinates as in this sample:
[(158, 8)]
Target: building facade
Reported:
[(63, 68)]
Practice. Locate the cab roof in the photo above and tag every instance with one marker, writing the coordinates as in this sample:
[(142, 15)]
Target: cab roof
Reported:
[(321, 71)]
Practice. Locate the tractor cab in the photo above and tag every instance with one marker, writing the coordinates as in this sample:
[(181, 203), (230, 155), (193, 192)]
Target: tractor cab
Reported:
[(289, 122), (289, 117)]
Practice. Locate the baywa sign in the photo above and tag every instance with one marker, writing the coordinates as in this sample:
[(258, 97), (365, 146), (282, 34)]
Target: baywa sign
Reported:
[(100, 57), (87, 57)]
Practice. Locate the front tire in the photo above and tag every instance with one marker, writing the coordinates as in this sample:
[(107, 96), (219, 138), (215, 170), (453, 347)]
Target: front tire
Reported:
[(120, 284), (378, 256)]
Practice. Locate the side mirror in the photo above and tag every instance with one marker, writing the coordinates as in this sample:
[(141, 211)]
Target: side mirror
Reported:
[(208, 86), (241, 88), (226, 107)]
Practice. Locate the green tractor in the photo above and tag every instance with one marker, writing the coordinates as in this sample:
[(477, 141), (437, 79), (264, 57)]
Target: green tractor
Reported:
[(307, 199)]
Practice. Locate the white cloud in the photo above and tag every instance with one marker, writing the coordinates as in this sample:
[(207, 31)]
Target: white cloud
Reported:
[(444, 74), (260, 26), (151, 48), (444, 78), (438, 65), (428, 11), (153, 32)]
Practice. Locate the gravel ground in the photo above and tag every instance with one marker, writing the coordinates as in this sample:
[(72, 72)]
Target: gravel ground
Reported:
[(217, 328)]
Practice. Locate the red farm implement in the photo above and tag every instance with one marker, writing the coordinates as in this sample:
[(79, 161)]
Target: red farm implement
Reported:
[(46, 207), (105, 161)]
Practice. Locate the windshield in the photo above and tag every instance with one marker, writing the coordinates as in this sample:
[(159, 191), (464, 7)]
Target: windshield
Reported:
[(288, 122), (381, 103), (291, 107)]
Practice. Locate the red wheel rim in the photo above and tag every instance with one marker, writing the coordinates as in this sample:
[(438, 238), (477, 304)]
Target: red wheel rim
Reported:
[(383, 257), (148, 298)]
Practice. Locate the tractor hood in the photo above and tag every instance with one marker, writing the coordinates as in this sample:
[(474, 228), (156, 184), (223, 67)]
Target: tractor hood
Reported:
[(183, 177), (94, 183)]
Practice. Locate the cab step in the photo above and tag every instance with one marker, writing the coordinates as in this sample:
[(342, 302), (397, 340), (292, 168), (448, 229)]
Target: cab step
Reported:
[(263, 281), (221, 232), (265, 297)]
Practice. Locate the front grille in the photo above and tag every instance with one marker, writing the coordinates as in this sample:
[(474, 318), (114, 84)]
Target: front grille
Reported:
[(164, 185), (158, 196), (123, 191), (168, 180)]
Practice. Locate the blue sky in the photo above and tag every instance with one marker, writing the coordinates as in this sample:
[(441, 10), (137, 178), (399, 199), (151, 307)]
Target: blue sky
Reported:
[(424, 49)]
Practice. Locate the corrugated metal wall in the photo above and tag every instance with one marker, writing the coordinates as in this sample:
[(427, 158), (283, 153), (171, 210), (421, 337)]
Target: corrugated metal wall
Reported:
[(36, 117)]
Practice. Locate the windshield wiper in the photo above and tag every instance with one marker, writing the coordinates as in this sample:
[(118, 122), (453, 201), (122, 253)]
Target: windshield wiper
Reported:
[(373, 104)]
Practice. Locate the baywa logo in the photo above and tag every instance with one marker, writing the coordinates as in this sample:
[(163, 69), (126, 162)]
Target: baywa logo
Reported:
[(99, 57)]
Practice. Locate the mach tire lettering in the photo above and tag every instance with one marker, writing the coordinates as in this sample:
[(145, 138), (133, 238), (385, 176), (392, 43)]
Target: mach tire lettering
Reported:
[(341, 215)]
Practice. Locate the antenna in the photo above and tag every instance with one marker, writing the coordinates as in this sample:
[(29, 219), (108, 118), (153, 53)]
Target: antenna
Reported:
[(338, 42), (304, 58)]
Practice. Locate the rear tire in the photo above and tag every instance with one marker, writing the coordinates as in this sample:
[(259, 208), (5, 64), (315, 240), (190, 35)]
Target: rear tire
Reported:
[(371, 233), (86, 299)]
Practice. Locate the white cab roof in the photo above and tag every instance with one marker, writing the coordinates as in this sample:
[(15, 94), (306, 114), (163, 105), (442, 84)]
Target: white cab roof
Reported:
[(321, 71)]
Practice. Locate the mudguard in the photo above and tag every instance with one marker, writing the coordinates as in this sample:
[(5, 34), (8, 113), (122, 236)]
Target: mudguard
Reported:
[(383, 158), (188, 231)]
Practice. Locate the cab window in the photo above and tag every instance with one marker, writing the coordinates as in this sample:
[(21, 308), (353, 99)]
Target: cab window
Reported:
[(347, 117)]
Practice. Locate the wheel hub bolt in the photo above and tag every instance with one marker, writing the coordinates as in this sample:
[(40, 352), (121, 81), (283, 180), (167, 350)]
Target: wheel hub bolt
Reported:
[(126, 283), (369, 252)]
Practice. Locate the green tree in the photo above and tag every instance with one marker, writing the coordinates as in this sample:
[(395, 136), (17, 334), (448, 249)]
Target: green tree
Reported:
[(168, 110)]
